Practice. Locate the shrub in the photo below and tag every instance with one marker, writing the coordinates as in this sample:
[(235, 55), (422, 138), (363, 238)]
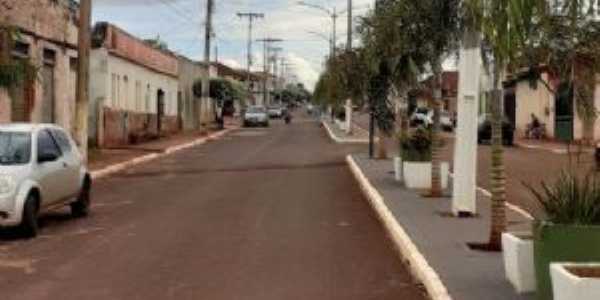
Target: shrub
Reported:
[(571, 199), (416, 146)]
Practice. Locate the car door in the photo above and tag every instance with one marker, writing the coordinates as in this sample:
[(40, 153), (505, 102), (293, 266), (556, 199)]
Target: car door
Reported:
[(51, 174), (71, 161)]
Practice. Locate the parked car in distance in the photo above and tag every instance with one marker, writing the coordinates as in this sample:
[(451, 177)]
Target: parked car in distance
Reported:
[(255, 116), (446, 121), (275, 111), (484, 130), (422, 116), (40, 169)]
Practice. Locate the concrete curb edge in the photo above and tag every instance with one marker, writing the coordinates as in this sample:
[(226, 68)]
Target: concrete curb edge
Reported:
[(419, 266), (146, 158), (342, 141)]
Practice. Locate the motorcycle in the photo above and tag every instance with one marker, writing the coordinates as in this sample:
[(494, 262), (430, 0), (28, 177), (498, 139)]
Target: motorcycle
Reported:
[(288, 119)]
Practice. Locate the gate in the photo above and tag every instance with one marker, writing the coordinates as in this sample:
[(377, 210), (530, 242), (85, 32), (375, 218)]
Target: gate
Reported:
[(564, 113)]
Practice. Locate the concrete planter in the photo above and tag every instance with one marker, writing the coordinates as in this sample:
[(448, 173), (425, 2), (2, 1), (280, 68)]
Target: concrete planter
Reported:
[(575, 281), (518, 261), (562, 243), (417, 175), (398, 170)]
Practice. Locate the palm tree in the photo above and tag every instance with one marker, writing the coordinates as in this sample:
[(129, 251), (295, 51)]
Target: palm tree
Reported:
[(507, 27), (434, 26)]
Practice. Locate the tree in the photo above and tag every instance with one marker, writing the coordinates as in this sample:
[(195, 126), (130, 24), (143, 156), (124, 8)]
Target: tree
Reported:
[(508, 28), (433, 26), (569, 47)]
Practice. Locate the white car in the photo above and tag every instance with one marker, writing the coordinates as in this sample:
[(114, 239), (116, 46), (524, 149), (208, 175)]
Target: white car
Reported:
[(256, 115), (40, 169), (275, 111), (422, 116), (446, 121)]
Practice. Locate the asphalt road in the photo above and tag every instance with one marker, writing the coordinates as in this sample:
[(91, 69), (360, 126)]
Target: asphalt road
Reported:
[(260, 214)]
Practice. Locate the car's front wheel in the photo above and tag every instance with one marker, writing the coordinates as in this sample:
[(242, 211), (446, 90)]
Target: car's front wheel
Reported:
[(29, 221), (81, 207)]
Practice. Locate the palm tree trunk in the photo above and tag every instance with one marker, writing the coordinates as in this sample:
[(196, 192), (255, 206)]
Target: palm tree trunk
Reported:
[(381, 149), (436, 177), (497, 173)]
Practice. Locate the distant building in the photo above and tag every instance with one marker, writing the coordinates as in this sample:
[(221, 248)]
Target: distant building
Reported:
[(133, 90), (242, 76), (557, 111), (48, 39), (424, 96)]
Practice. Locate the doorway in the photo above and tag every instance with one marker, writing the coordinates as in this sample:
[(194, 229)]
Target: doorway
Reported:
[(564, 113), (160, 110)]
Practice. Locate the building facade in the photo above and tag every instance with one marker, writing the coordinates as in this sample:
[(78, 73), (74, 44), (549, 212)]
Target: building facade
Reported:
[(133, 91), (48, 40), (189, 104), (557, 111)]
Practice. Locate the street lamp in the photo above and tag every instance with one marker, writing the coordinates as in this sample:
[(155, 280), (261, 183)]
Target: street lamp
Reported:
[(330, 13)]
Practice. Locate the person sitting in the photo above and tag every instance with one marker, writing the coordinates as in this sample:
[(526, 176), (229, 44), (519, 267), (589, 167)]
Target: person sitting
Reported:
[(535, 129)]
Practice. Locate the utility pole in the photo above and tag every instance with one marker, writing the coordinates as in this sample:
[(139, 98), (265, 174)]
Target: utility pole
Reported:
[(349, 108), (83, 77), (251, 16), (204, 100), (349, 41), (334, 17), (266, 42)]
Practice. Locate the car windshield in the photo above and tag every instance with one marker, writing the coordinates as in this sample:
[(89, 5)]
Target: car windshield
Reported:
[(15, 148), (256, 110), (422, 110)]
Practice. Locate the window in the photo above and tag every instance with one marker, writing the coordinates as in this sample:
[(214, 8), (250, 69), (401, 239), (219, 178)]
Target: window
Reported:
[(46, 144), (113, 91), (15, 148), (138, 96), (62, 140), (125, 95)]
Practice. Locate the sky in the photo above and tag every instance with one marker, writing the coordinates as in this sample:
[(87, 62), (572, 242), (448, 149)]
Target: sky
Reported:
[(180, 23)]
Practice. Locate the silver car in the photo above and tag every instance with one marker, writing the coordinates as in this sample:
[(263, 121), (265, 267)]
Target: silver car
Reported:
[(256, 115), (40, 169)]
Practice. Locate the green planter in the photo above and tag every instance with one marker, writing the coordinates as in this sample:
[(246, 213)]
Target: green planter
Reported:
[(562, 243)]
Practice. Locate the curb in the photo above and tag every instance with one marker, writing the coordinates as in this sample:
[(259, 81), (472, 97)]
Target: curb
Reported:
[(146, 158), (342, 141), (408, 251)]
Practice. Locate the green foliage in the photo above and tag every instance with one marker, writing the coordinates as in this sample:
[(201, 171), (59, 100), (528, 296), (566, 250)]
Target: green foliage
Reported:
[(16, 72), (417, 146), (571, 200), (222, 90), (13, 72)]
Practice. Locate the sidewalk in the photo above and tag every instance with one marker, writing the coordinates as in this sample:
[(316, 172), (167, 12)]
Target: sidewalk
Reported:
[(433, 242), (102, 162), (358, 136), (552, 146)]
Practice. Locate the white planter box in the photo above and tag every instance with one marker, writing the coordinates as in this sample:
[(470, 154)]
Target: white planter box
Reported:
[(569, 286), (398, 168), (417, 175), (341, 124), (518, 261)]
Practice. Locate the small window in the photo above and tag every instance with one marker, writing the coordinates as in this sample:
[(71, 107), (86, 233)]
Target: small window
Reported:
[(62, 140), (21, 50), (46, 144), (49, 57)]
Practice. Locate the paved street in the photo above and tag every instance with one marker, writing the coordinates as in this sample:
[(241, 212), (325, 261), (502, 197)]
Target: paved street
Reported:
[(260, 214)]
